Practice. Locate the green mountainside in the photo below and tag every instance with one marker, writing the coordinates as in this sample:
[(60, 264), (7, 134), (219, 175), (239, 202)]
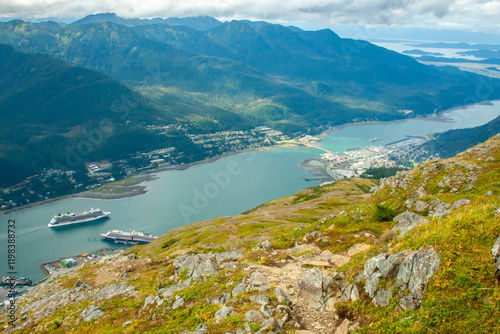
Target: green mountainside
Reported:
[(239, 75), (411, 254), (49, 107), (452, 142)]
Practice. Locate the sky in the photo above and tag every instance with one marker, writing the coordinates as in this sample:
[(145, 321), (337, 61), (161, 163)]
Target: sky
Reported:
[(475, 15)]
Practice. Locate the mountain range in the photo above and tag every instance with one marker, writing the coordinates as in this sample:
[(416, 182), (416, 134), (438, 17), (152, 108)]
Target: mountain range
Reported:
[(226, 75)]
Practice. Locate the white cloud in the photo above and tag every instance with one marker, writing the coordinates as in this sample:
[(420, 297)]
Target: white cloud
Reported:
[(456, 13)]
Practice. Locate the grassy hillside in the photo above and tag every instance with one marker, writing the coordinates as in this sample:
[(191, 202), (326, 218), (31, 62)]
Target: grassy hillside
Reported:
[(331, 232)]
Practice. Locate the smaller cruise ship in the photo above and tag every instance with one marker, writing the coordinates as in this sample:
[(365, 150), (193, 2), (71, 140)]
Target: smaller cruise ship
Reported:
[(132, 238), (77, 218), (373, 139)]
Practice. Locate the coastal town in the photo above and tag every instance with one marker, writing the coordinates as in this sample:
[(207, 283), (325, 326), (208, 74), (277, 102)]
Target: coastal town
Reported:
[(56, 182), (53, 183), (356, 162)]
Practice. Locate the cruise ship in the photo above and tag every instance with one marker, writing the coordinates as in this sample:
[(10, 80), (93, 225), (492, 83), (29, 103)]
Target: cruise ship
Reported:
[(77, 218), (133, 238), (373, 139)]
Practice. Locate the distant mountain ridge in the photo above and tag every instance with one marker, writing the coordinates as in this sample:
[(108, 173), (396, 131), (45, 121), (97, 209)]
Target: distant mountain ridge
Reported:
[(450, 143), (239, 74), (194, 22)]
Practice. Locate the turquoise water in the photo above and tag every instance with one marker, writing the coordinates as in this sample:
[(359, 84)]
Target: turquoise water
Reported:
[(358, 135), (227, 186)]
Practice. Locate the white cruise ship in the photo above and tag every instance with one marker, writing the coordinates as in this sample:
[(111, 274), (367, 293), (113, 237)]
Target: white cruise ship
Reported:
[(77, 218)]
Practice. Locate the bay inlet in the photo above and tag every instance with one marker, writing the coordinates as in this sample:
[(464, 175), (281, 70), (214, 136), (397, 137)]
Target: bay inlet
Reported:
[(227, 186)]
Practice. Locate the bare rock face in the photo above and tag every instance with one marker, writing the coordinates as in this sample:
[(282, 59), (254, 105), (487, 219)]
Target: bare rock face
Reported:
[(410, 270), (92, 312), (114, 290), (407, 221), (439, 209), (281, 295), (314, 288), (358, 248), (257, 280), (223, 313), (420, 206), (200, 265), (414, 273), (201, 329), (254, 316)]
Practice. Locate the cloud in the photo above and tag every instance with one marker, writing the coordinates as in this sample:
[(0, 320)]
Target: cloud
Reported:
[(399, 12)]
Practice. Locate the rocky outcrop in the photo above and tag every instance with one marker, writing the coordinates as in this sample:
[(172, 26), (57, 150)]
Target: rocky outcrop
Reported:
[(407, 221), (314, 288), (254, 316), (408, 271), (358, 248), (201, 265), (92, 312)]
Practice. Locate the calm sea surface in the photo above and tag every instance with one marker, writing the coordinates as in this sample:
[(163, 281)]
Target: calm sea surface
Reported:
[(227, 186)]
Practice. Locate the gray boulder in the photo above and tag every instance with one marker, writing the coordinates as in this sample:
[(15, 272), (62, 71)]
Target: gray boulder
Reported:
[(200, 265), (201, 329), (271, 324), (495, 251), (178, 303), (239, 288), (257, 279), (223, 313), (350, 293), (266, 245), (407, 221), (266, 311), (411, 271), (254, 316), (461, 202), (114, 290), (420, 206), (260, 299), (314, 288), (439, 209), (414, 273), (92, 312), (158, 300)]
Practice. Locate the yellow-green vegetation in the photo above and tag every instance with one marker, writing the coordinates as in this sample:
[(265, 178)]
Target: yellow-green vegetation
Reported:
[(462, 296)]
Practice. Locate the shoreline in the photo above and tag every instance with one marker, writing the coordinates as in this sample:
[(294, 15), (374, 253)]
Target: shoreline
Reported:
[(434, 117), (146, 176), (53, 269), (150, 175)]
